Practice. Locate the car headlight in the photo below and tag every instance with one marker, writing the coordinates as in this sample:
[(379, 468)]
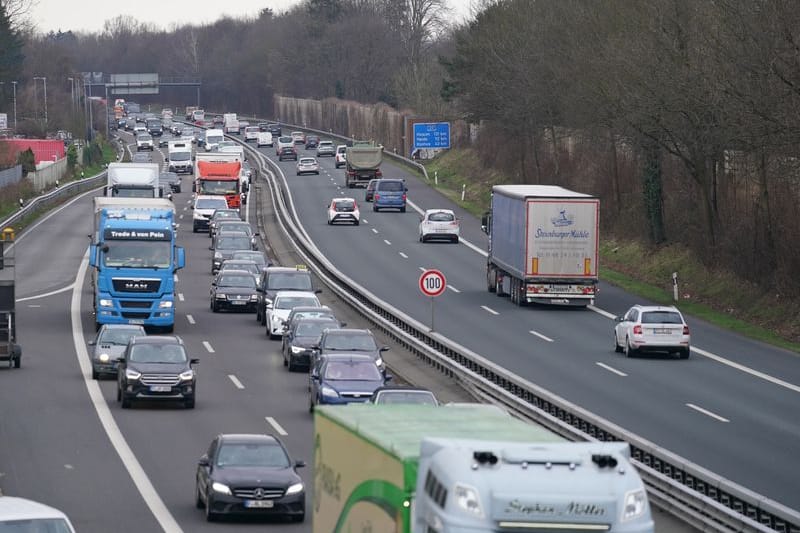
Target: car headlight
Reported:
[(298, 349), (187, 375), (253, 297), (221, 296), (220, 487), (217, 255), (379, 361), (104, 302), (294, 489), (635, 505), (166, 304), (327, 391), (132, 374), (103, 358), (467, 499)]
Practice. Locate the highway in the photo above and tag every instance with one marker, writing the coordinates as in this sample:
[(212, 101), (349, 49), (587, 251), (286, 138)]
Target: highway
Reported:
[(730, 408), (68, 443)]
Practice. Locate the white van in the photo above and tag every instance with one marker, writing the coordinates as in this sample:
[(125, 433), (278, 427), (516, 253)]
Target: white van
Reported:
[(264, 139), (213, 138), (27, 516), (251, 133), (179, 156)]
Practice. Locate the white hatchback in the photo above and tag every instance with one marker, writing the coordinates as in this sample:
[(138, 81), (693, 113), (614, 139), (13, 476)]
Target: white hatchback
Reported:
[(343, 210), (439, 224), (278, 310), (652, 328)]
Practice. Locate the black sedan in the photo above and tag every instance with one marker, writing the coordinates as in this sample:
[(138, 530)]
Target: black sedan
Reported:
[(300, 338), (249, 474), (170, 179), (234, 290)]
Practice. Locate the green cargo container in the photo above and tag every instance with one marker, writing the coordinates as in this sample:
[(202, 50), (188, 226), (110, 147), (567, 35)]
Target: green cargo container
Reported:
[(366, 458)]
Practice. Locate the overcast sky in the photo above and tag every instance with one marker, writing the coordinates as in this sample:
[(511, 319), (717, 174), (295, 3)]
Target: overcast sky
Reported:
[(89, 15)]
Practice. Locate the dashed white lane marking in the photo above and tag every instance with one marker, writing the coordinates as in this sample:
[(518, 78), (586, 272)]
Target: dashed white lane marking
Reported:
[(707, 412), (236, 382), (374, 231), (208, 346), (543, 337), (175, 277), (190, 318), (364, 221), (185, 208), (611, 369), (180, 217), (489, 310), (387, 242), (277, 427), (34, 305), (404, 256), (180, 296), (453, 289)]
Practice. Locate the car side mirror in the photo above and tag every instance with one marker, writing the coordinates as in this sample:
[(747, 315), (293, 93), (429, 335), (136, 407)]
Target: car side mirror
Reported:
[(203, 461), (620, 319), (121, 360), (384, 348), (299, 464), (194, 361), (210, 247), (318, 291), (343, 324), (191, 207), (388, 377), (91, 343)]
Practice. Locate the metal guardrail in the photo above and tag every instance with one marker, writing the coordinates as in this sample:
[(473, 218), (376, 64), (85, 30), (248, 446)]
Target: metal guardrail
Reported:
[(693, 494)]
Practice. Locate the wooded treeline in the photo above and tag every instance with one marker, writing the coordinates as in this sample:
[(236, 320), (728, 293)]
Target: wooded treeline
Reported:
[(682, 116)]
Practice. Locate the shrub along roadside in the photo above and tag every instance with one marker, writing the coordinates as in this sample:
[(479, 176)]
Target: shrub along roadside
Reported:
[(713, 295)]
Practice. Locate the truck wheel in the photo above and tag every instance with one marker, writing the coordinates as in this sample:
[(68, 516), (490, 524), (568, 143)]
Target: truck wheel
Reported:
[(498, 284), (490, 280), (16, 351)]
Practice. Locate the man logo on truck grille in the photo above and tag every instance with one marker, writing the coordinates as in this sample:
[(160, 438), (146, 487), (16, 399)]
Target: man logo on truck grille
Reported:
[(136, 285)]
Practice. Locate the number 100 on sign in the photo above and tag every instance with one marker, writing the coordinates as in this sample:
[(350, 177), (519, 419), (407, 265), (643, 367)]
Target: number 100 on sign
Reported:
[(432, 283)]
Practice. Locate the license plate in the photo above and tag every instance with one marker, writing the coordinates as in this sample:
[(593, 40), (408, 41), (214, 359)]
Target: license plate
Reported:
[(238, 302), (662, 331), (160, 388), (259, 504), (135, 321)]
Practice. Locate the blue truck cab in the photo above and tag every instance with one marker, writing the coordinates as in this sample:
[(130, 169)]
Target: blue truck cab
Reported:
[(135, 258)]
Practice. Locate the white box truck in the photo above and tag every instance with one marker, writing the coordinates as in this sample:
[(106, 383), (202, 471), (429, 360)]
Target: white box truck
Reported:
[(230, 123), (543, 245), (139, 180), (425, 469)]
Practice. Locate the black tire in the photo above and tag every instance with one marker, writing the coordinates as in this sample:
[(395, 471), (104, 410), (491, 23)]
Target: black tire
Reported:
[(298, 518), (210, 516), (16, 352), (403, 209), (685, 353), (617, 347), (95, 375), (258, 313), (169, 329), (498, 285), (214, 307), (375, 208), (310, 405), (455, 240), (291, 366), (198, 501), (126, 402), (357, 222), (119, 393), (189, 404)]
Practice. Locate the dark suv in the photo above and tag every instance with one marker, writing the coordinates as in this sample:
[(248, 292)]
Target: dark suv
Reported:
[(274, 279), (350, 340), (156, 368), (312, 141), (287, 152)]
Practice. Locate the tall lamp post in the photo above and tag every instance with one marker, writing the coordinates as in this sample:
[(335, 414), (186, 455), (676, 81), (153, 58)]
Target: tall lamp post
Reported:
[(44, 79), (72, 93)]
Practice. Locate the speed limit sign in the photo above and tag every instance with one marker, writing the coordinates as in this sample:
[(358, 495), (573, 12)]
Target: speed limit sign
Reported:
[(432, 283)]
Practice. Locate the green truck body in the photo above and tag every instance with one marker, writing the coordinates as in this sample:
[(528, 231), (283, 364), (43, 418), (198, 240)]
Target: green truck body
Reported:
[(363, 161), (366, 458)]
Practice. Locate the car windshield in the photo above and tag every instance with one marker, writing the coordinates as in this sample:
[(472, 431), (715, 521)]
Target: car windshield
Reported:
[(299, 281), (344, 206), (393, 186), (244, 227), (325, 144), (35, 525), (285, 140), (352, 371), (256, 257), (307, 161), (249, 266), (180, 156), (225, 214), (350, 341), (312, 329), (232, 280), (661, 317), (406, 397), (322, 313), (137, 254), (144, 138), (232, 243), (252, 454), (208, 186), (118, 336), (288, 302), (441, 217), (157, 353), (214, 139), (211, 203)]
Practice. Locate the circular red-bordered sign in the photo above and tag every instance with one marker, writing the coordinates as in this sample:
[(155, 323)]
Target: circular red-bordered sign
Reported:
[(432, 283)]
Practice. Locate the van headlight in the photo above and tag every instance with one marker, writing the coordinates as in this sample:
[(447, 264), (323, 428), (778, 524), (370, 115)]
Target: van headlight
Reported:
[(634, 505), (468, 499)]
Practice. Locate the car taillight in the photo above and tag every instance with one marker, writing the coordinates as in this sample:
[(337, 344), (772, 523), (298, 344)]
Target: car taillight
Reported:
[(376, 196), (685, 330), (404, 197), (378, 173), (637, 330)]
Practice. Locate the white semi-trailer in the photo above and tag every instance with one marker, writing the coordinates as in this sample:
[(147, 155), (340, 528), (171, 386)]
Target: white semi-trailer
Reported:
[(543, 245)]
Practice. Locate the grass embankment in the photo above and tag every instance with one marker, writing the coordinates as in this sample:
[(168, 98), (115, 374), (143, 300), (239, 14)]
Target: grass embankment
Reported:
[(10, 195), (714, 296)]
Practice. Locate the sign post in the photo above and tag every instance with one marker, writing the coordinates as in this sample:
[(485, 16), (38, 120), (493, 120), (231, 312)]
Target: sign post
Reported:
[(432, 283)]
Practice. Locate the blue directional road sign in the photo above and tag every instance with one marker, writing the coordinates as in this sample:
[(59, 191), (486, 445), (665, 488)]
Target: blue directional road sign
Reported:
[(432, 135)]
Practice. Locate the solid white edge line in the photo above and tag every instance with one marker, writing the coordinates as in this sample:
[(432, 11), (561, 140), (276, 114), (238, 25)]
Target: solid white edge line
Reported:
[(236, 382), (489, 310), (190, 318), (208, 346), (126, 455), (277, 427), (611, 369), (46, 294), (707, 412), (746, 369), (543, 337)]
